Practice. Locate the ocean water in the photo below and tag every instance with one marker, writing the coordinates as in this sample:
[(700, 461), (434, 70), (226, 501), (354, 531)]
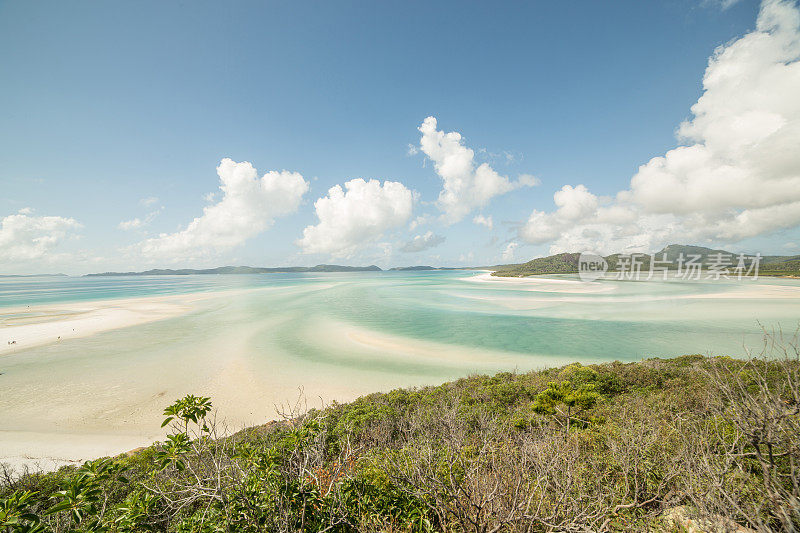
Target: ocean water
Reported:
[(338, 335), (566, 319)]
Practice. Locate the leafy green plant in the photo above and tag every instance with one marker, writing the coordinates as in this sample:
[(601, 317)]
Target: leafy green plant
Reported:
[(173, 451), (17, 515), (568, 399), (134, 513), (83, 497), (190, 408)]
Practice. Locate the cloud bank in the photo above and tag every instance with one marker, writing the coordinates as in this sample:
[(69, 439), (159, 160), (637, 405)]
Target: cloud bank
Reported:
[(465, 186), (356, 216), (248, 206), (736, 174)]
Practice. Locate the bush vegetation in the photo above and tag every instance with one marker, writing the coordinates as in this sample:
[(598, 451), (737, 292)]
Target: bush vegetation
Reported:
[(662, 444)]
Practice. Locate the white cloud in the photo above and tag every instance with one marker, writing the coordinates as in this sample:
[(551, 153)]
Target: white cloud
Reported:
[(248, 206), (528, 180), (737, 176), (149, 201), (422, 242), (24, 237), (137, 223), (722, 4), (353, 219), (126, 225), (508, 253), (465, 185), (421, 220), (484, 221)]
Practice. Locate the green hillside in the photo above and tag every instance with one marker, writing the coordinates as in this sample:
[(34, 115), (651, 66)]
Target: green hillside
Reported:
[(567, 263), (555, 264), (660, 445)]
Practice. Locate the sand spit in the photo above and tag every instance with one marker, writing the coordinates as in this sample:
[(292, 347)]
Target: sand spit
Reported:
[(543, 284), (25, 327), (728, 289)]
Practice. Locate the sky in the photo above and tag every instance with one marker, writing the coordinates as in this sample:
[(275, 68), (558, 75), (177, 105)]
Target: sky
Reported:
[(198, 134)]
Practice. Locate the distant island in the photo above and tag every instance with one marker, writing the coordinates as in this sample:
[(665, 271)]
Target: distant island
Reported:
[(276, 270), (567, 263), (241, 270), (32, 275), (563, 263), (419, 267), (426, 267)]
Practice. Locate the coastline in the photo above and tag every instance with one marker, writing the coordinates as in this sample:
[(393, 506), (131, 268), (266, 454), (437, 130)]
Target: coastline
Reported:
[(86, 397)]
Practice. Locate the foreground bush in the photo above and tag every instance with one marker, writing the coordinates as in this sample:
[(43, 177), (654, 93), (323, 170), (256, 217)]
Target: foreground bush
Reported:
[(613, 447)]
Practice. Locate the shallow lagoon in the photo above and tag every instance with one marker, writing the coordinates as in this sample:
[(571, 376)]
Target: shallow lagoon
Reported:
[(337, 336)]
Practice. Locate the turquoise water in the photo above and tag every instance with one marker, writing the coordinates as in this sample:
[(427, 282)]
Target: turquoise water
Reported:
[(252, 341), (626, 320)]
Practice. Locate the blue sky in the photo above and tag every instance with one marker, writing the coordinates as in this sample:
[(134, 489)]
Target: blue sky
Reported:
[(105, 105)]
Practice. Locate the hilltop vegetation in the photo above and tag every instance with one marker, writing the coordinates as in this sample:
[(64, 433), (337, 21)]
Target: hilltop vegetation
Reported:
[(614, 447), (567, 263)]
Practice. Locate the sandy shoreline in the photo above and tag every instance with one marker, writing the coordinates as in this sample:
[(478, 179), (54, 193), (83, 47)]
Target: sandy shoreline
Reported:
[(23, 327), (542, 283), (747, 289), (34, 450)]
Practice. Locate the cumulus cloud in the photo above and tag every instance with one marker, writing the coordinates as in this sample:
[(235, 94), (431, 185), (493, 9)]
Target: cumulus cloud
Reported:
[(24, 237), (508, 253), (577, 208), (737, 172), (422, 242), (356, 216), (484, 221), (248, 206), (466, 185)]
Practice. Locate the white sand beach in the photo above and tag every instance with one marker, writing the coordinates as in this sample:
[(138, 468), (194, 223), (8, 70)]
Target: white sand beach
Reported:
[(542, 283), (745, 288), (25, 327), (22, 328)]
